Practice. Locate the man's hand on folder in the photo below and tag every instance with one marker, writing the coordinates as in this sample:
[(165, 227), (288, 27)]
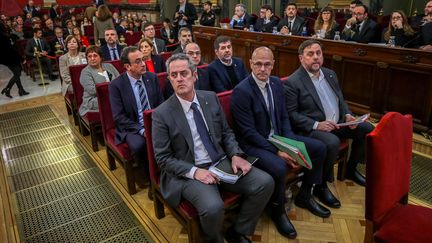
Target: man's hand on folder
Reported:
[(348, 118), (206, 176), (238, 162), (288, 159), (327, 126)]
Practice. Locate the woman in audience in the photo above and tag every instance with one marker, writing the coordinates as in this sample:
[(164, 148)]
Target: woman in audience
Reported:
[(95, 72), (82, 39), (167, 32), (72, 57), (84, 23), (102, 22), (154, 63), (400, 29), (325, 24)]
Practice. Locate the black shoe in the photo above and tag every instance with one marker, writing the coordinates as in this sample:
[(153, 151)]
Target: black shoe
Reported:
[(326, 196), (52, 77), (23, 92), (284, 225), (233, 236), (6, 92), (313, 206), (357, 178)]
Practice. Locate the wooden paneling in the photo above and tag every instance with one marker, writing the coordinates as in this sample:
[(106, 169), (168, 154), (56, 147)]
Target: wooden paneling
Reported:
[(374, 79)]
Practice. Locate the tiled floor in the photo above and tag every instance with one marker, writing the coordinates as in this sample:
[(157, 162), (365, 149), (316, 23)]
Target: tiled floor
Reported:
[(32, 87)]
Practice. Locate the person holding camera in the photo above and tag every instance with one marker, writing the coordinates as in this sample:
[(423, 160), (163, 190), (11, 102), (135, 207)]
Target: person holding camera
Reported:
[(185, 15)]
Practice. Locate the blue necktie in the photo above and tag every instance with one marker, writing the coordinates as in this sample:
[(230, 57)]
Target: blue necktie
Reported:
[(271, 109), (143, 97), (114, 53), (205, 136)]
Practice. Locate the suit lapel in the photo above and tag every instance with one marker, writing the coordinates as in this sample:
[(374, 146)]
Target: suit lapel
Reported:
[(307, 82), (179, 118), (258, 93), (130, 96), (149, 89)]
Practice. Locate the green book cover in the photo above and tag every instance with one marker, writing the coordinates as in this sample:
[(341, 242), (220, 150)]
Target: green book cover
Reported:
[(296, 148)]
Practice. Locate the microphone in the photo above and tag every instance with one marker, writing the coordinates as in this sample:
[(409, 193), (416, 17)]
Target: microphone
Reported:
[(413, 39)]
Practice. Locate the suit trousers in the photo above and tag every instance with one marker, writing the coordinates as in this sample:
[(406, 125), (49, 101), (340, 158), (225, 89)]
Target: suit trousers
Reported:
[(45, 62), (332, 141), (138, 148), (16, 78), (278, 168), (255, 188)]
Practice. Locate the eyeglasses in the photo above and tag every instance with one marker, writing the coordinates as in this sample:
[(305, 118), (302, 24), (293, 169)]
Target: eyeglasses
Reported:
[(260, 65), (193, 53), (358, 14)]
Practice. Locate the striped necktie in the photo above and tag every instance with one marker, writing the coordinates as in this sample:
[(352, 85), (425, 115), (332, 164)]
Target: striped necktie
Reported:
[(143, 96)]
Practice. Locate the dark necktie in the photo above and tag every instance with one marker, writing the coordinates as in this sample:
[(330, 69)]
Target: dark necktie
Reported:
[(114, 53), (290, 26), (39, 47), (143, 97), (204, 134), (271, 109)]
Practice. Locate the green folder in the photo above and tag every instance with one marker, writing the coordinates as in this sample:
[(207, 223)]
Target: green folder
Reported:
[(296, 149)]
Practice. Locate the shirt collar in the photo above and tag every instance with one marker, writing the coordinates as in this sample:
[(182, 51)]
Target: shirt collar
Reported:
[(226, 63), (313, 78), (186, 105), (260, 83), (132, 80)]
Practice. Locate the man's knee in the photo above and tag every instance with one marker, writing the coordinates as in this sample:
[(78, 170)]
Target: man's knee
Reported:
[(214, 209)]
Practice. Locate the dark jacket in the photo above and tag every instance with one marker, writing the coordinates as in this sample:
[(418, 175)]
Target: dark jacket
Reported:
[(208, 18), (219, 77), (367, 34), (261, 27), (296, 27)]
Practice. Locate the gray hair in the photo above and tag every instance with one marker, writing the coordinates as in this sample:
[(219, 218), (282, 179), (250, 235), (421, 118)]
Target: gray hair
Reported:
[(183, 29), (242, 6), (180, 56)]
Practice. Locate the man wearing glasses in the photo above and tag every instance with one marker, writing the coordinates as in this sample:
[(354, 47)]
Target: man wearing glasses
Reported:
[(149, 32), (361, 28)]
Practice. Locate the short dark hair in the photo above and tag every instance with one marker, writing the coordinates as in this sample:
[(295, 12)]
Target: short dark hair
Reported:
[(364, 7), (267, 7), (291, 4), (306, 44), (147, 24), (124, 57), (69, 38), (356, 2), (94, 49), (220, 39), (35, 30)]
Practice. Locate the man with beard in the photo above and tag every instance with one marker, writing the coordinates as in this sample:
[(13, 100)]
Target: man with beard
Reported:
[(184, 37), (111, 50)]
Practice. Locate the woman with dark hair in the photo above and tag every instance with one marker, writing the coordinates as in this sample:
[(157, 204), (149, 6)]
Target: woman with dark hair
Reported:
[(153, 62), (72, 57), (12, 59), (399, 28), (167, 32), (95, 72), (76, 31), (325, 25), (102, 22)]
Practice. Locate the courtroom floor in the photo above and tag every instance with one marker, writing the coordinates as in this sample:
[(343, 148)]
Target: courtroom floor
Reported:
[(346, 224)]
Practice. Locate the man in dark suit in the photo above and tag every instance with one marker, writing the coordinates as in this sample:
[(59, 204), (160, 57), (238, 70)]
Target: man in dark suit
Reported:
[(426, 27), (185, 15), (149, 32), (121, 28), (53, 11), (225, 71), (241, 19), (258, 108), (191, 133), (316, 105), (111, 50), (184, 37), (43, 48), (291, 24), (49, 28), (267, 20), (361, 28), (60, 39), (131, 94), (208, 17)]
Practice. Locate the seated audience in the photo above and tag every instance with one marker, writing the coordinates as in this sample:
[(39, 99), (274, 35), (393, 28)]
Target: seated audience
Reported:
[(111, 50), (85, 22), (116, 18), (361, 28), (149, 33), (267, 20), (399, 28), (225, 71), (31, 8), (49, 28), (54, 13), (426, 27), (154, 63), (316, 105), (73, 57), (17, 32), (351, 7), (122, 28), (241, 19), (208, 16), (84, 42), (133, 92), (95, 72), (325, 25), (186, 116), (58, 39), (43, 48), (184, 37), (167, 32), (69, 27), (291, 24)]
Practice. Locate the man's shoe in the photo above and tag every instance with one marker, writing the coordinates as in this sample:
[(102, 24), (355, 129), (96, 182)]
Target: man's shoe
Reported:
[(233, 236), (326, 196), (284, 225), (314, 207), (23, 92), (357, 178), (52, 77)]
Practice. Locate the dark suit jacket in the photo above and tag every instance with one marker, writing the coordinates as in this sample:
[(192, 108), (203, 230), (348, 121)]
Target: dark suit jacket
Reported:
[(31, 44), (208, 18), (202, 83), (297, 26), (53, 13), (123, 103), (106, 52), (426, 31), (303, 103), (369, 33), (158, 63), (250, 112), (261, 27), (219, 78), (247, 21), (52, 44), (173, 144), (190, 13), (165, 36), (120, 30), (160, 45)]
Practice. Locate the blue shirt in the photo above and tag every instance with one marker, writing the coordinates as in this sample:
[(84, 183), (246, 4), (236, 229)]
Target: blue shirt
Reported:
[(135, 88)]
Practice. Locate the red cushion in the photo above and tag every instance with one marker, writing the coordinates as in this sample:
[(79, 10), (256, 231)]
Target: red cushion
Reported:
[(102, 93), (225, 101), (406, 223), (69, 96), (162, 77), (121, 149), (92, 117)]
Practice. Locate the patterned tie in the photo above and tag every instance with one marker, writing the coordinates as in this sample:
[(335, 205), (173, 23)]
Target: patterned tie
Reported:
[(271, 109), (114, 53), (143, 97), (204, 134)]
